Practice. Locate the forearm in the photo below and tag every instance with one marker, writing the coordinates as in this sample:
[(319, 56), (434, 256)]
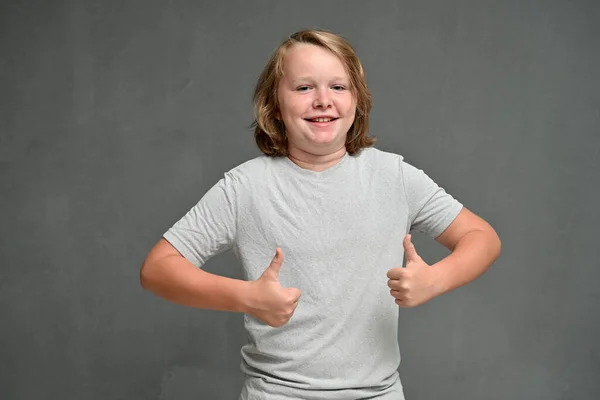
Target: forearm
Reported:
[(177, 280), (474, 253)]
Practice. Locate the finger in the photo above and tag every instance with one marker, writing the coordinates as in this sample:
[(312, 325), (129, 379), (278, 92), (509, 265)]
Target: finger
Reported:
[(295, 294), (399, 286), (394, 284), (403, 290), (410, 252), (395, 273)]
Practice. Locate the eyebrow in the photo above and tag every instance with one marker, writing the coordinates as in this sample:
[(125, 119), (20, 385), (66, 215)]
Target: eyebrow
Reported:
[(308, 78)]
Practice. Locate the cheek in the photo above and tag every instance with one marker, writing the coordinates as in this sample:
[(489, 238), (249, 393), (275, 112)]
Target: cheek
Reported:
[(292, 108), (348, 105), (352, 110)]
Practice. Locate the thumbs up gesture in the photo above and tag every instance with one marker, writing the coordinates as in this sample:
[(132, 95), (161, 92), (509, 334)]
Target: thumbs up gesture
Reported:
[(272, 303), (413, 285)]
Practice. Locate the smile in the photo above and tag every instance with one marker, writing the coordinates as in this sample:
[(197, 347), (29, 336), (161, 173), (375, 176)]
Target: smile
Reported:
[(321, 119)]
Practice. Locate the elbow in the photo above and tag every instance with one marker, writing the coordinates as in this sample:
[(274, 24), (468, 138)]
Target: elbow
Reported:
[(499, 245), (496, 245), (146, 275)]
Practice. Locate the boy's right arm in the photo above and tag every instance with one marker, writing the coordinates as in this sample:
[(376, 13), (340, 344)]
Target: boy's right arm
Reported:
[(168, 274)]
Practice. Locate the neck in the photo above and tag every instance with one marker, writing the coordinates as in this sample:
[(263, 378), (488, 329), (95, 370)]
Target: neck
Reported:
[(316, 162)]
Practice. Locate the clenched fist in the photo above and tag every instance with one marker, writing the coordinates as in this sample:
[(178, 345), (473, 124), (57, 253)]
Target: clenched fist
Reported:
[(272, 303), (414, 284)]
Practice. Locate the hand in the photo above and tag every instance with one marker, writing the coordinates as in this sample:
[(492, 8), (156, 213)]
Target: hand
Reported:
[(415, 284), (272, 303)]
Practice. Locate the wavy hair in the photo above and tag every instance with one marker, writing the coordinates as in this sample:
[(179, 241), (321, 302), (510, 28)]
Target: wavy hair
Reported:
[(269, 132)]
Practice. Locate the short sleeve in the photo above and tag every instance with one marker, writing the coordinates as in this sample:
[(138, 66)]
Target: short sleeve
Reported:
[(209, 228), (431, 208)]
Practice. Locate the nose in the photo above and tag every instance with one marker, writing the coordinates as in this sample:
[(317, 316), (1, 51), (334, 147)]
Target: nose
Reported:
[(322, 99)]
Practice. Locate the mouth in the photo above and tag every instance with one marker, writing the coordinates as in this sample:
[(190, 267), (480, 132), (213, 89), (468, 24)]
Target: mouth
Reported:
[(320, 120)]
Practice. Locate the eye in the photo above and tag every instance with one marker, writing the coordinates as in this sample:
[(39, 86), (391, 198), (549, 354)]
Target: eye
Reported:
[(302, 88), (338, 88)]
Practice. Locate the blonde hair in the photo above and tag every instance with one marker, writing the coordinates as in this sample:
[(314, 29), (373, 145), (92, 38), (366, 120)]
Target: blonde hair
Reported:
[(269, 131)]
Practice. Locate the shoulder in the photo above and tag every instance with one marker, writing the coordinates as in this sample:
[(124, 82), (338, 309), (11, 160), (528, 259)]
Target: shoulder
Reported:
[(257, 166), (392, 160), (253, 171), (392, 168), (381, 160), (372, 154)]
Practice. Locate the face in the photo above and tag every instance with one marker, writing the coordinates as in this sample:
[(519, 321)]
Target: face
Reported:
[(315, 100)]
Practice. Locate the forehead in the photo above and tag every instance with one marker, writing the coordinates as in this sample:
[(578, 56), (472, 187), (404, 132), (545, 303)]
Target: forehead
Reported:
[(311, 60)]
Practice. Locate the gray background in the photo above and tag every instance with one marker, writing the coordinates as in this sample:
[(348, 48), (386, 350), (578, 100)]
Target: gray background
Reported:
[(115, 118)]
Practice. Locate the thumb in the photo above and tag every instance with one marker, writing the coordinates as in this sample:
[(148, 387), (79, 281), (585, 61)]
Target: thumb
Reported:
[(410, 252), (275, 266)]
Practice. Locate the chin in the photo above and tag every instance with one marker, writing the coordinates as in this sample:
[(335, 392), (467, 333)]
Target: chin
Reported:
[(324, 137), (327, 145)]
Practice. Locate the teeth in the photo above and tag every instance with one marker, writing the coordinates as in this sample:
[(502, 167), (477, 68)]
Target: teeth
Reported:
[(322, 119)]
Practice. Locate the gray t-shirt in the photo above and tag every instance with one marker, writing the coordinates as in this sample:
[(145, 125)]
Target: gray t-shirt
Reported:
[(341, 230)]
